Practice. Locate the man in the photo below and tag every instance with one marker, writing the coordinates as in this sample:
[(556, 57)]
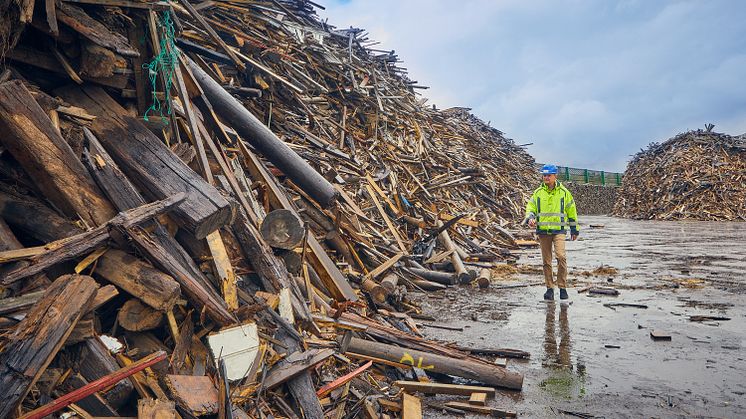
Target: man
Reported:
[(551, 209)]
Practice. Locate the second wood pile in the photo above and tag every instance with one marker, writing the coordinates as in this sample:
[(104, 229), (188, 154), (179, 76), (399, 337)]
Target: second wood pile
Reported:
[(697, 175), (220, 208)]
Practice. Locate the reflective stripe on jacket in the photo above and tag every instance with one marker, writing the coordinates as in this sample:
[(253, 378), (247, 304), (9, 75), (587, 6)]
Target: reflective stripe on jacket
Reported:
[(553, 210)]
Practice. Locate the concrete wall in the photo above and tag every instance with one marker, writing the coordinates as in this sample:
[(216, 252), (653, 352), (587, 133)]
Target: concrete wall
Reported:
[(593, 199)]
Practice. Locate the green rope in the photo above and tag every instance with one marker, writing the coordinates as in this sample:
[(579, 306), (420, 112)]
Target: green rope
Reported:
[(165, 64)]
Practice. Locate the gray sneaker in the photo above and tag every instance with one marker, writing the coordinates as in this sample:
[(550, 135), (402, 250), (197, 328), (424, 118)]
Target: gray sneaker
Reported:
[(549, 295)]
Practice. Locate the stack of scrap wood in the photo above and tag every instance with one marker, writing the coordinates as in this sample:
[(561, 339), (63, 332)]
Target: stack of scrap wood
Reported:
[(697, 175), (220, 207), (593, 199)]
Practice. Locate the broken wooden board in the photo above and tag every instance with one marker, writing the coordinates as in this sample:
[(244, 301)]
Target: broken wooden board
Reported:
[(439, 388), (411, 407), (495, 412), (237, 347), (196, 394)]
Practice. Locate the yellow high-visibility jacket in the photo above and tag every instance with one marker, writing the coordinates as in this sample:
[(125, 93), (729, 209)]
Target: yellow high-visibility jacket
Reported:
[(554, 210)]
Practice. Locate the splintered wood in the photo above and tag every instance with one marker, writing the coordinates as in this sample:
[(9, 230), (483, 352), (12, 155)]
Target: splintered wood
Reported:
[(223, 208)]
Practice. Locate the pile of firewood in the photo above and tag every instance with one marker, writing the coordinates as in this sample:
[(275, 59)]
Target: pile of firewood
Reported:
[(697, 175), (220, 208)]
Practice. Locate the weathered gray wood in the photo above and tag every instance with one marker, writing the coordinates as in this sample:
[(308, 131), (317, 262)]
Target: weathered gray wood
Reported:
[(264, 140), (36, 340), (79, 21), (466, 368), (72, 247), (42, 152), (154, 241), (445, 278), (149, 164)]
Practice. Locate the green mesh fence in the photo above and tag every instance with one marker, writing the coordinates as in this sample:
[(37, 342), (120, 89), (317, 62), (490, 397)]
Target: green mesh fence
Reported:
[(593, 177), (163, 64)]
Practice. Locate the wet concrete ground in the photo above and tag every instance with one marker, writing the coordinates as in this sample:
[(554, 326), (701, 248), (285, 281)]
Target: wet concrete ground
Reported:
[(700, 372)]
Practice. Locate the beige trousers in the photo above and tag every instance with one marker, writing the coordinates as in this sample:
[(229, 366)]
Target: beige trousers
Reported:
[(546, 242)]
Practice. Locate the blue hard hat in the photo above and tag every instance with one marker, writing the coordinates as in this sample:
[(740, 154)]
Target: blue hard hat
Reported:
[(548, 169)]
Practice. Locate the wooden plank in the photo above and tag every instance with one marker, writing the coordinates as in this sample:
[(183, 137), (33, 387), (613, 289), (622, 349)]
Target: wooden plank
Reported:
[(223, 269), (495, 412), (386, 219), (479, 399), (36, 340), (438, 388), (384, 266), (150, 164), (297, 363), (197, 394), (411, 407), (79, 21), (213, 35)]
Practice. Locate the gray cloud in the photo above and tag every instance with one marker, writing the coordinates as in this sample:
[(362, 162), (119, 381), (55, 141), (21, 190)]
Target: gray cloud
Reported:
[(588, 82)]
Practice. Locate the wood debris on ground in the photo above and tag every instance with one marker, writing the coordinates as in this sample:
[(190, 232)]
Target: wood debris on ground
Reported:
[(697, 175), (219, 208)]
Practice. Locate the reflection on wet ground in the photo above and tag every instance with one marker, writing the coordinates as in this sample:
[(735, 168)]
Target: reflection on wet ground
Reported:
[(701, 372)]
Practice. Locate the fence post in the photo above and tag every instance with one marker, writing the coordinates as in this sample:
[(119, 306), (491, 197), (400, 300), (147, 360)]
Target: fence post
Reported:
[(618, 179), (567, 173), (585, 175), (603, 179)]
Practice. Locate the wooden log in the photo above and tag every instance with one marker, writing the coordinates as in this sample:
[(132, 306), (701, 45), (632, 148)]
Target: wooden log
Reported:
[(376, 291), (139, 278), (156, 243), (45, 226), (195, 394), (137, 317), (36, 340), (440, 388), (428, 285), (72, 247), (270, 268), (149, 164), (300, 385), (445, 278), (264, 140), (334, 281), (466, 368), (484, 278), (47, 158), (445, 240), (282, 229), (389, 282)]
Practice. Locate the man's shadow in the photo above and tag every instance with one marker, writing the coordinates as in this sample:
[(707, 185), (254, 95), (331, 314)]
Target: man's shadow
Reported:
[(557, 355)]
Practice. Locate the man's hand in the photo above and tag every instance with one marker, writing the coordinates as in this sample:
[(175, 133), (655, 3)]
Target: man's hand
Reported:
[(573, 237), (532, 222)]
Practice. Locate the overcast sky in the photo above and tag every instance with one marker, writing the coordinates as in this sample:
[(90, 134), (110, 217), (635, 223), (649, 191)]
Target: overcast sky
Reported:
[(588, 82)]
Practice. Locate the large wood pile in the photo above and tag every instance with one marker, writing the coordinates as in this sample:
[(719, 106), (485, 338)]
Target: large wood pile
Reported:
[(219, 208), (697, 175)]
